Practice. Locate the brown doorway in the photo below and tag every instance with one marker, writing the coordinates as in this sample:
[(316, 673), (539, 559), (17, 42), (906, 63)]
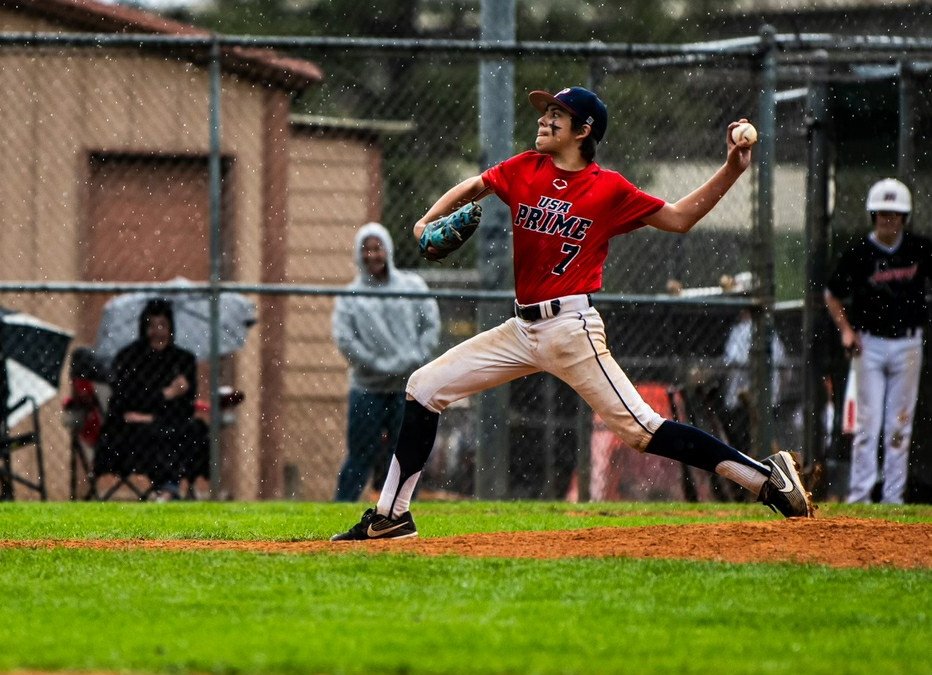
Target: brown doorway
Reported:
[(147, 220)]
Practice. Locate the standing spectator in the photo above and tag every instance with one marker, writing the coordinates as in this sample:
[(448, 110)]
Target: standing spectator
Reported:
[(737, 357), (385, 339), (884, 274)]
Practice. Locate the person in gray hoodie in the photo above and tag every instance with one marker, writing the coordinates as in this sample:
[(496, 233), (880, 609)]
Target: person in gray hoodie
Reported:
[(384, 339)]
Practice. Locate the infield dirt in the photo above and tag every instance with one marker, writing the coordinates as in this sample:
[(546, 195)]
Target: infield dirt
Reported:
[(837, 542)]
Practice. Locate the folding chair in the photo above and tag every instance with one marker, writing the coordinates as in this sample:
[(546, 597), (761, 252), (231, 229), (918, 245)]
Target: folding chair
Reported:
[(31, 356), (10, 443), (82, 415), (142, 493), (85, 410), (84, 431)]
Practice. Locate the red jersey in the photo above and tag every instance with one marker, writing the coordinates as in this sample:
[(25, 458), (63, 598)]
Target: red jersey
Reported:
[(562, 222)]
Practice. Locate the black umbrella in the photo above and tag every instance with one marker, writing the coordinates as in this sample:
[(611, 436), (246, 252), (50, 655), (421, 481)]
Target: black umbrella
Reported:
[(32, 356)]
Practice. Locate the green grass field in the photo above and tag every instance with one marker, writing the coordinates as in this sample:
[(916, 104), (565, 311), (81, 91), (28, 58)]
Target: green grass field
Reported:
[(356, 612)]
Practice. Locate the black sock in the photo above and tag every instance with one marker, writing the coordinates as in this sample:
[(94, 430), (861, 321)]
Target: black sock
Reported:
[(416, 438), (697, 448), (415, 441)]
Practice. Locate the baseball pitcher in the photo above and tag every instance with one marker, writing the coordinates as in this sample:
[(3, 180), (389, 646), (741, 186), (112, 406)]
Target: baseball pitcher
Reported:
[(564, 208)]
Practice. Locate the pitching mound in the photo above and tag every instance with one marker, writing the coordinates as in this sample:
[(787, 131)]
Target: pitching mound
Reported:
[(838, 542)]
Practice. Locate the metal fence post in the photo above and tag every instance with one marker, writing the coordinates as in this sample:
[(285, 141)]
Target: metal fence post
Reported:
[(762, 347), (906, 136), (496, 121), (814, 396), (215, 220), (583, 411)]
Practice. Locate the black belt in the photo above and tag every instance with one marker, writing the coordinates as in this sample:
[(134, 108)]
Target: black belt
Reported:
[(534, 313), (894, 334)]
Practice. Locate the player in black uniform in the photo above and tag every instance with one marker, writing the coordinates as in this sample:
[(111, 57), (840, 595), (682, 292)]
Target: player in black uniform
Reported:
[(885, 275)]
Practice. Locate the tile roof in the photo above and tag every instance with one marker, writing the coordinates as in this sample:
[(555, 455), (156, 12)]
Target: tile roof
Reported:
[(266, 65)]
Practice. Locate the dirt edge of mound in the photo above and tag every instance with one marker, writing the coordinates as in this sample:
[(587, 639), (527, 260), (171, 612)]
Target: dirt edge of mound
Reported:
[(837, 542)]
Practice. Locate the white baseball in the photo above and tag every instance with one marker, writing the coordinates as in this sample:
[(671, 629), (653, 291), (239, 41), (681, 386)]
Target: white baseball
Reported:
[(744, 135)]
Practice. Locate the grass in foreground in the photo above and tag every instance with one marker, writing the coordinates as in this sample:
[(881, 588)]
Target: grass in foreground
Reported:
[(354, 612)]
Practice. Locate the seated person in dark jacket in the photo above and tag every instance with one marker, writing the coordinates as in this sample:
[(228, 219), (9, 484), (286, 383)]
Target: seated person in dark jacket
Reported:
[(149, 426)]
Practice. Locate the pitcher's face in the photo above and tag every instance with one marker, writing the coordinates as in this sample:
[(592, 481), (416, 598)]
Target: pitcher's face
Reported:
[(554, 130)]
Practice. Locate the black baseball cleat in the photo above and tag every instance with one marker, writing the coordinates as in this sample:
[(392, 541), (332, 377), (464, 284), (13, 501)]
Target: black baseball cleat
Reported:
[(784, 490), (372, 525)]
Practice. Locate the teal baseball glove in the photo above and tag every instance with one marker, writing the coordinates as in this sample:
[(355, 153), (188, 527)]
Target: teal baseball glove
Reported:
[(444, 235)]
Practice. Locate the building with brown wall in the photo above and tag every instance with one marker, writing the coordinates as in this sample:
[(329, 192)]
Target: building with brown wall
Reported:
[(105, 178)]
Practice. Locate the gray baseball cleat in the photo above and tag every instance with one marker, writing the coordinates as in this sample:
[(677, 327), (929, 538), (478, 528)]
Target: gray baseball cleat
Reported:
[(784, 490), (373, 525)]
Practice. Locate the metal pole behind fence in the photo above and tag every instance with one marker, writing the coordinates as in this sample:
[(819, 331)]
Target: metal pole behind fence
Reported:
[(817, 177), (762, 352), (496, 121), (906, 137), (583, 411), (215, 220)]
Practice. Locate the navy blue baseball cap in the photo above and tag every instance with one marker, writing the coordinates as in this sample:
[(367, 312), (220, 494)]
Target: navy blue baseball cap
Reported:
[(578, 102)]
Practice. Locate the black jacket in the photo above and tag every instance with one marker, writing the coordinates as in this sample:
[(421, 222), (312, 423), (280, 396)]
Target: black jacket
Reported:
[(139, 375)]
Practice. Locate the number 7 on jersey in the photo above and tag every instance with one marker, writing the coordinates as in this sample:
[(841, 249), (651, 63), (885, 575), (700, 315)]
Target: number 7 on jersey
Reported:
[(572, 250)]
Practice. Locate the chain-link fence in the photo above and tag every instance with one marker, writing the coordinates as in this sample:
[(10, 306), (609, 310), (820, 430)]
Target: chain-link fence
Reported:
[(139, 159)]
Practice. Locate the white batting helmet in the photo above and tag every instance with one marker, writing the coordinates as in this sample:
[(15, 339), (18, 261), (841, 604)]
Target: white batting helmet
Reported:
[(889, 194)]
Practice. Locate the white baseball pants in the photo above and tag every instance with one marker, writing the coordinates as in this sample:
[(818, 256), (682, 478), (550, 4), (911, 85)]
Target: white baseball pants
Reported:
[(887, 389), (570, 346)]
